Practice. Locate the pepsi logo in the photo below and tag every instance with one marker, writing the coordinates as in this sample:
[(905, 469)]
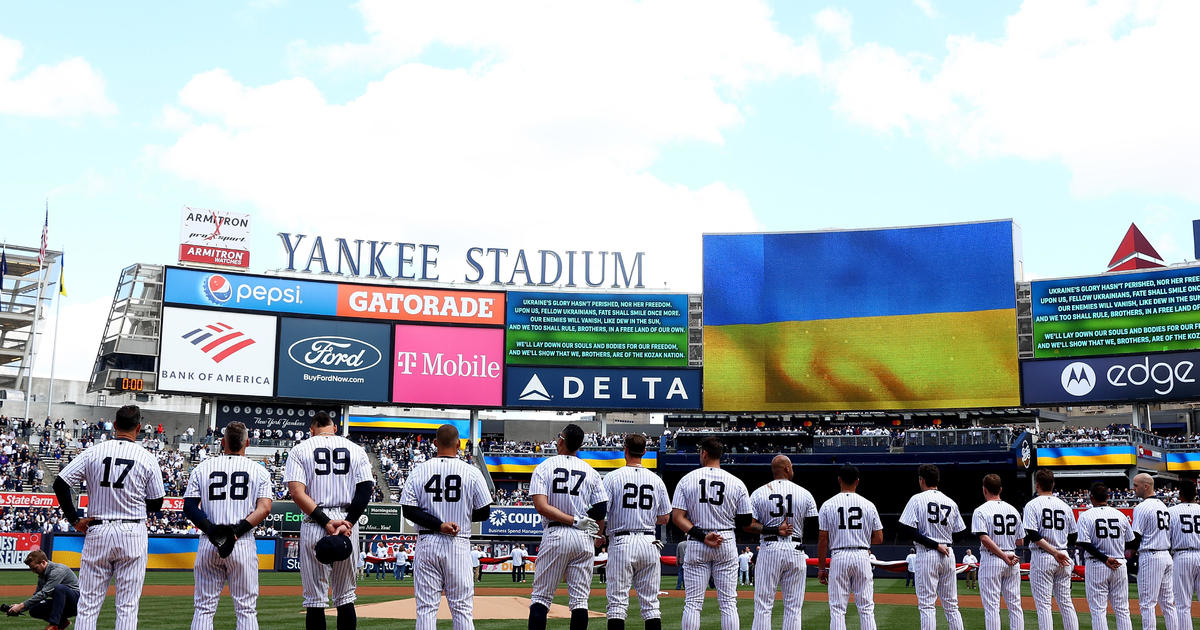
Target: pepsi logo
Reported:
[(218, 289)]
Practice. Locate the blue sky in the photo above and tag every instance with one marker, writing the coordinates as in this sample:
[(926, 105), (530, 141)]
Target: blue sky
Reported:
[(618, 125)]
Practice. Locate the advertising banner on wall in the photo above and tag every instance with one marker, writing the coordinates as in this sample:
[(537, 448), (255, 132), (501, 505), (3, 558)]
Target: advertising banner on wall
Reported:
[(207, 352), (589, 329), (603, 388), (512, 521), (334, 360), (14, 547), (286, 517), (266, 294), (1158, 377), (215, 237), (896, 318), (448, 366), (1146, 311), (272, 416), (415, 304)]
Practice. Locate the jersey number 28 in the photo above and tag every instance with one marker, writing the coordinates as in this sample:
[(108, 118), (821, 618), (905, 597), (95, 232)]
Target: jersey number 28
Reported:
[(238, 483)]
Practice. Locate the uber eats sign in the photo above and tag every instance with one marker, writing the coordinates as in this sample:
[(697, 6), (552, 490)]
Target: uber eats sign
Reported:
[(286, 517)]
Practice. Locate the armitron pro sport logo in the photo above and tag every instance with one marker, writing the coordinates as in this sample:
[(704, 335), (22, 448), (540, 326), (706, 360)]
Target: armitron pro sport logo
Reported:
[(218, 341), (218, 289), (1078, 379)]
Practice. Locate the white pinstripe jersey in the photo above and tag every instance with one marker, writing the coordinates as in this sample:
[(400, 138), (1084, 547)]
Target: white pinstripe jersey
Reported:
[(637, 497), (569, 484), (1051, 518), (1000, 521), (781, 500), (120, 476), (934, 515), (712, 497), (448, 488), (329, 466), (1185, 526), (1152, 522), (849, 519), (1107, 528), (229, 487)]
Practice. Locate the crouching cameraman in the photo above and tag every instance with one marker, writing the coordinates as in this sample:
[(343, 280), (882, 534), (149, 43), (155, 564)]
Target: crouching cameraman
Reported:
[(57, 592)]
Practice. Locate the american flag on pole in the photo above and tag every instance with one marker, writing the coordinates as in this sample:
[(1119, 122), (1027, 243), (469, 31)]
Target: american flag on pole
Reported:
[(45, 234)]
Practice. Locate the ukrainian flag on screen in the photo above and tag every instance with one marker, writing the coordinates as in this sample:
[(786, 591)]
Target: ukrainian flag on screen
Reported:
[(1183, 461), (600, 460), (1120, 455), (901, 318)]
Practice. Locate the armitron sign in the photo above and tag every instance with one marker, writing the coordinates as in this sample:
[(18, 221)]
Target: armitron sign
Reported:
[(215, 237)]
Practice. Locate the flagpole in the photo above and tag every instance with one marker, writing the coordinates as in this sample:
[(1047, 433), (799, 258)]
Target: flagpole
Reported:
[(54, 344)]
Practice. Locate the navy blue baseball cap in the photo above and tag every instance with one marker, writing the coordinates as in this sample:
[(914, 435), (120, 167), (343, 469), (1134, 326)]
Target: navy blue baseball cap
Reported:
[(332, 549)]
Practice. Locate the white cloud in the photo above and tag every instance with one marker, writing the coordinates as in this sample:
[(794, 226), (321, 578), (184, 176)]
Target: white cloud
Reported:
[(78, 339), (926, 7), (837, 23), (1101, 87), (546, 140), (69, 88)]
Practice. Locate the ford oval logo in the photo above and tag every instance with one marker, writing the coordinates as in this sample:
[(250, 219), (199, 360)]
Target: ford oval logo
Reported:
[(335, 354)]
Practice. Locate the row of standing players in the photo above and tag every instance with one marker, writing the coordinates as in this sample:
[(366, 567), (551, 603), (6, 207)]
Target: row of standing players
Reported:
[(330, 479)]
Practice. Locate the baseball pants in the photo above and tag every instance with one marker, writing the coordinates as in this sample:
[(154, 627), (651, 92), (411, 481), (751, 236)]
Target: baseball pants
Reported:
[(1105, 586), (1048, 580), (443, 565), (780, 565), (1156, 585), (112, 551), (935, 578), (633, 560), (564, 552), (721, 564), (850, 572), (241, 571), (318, 577), (998, 580), (1187, 582)]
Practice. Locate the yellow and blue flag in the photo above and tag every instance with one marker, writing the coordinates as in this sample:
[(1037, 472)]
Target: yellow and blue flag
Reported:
[(900, 318)]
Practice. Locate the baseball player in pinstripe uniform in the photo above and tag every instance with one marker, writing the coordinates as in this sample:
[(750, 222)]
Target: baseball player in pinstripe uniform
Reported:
[(330, 479), (235, 493), (442, 496), (849, 525), (569, 495), (124, 484), (1155, 579), (1103, 532), (998, 526), (780, 508), (931, 519), (1049, 527), (638, 503), (1185, 544), (709, 503)]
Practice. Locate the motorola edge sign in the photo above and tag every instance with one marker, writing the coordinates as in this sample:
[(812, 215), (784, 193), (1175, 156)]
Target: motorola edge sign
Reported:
[(333, 360), (1148, 377)]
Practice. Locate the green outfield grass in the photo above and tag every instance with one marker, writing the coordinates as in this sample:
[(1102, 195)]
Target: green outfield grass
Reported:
[(285, 613)]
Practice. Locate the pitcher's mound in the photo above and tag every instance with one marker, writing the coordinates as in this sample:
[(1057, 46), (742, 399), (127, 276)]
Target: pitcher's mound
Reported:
[(486, 607)]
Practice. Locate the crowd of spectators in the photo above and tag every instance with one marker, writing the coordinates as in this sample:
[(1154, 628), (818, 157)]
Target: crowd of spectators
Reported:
[(1117, 497), (19, 467), (516, 496), (1072, 435), (32, 520), (397, 456), (492, 444)]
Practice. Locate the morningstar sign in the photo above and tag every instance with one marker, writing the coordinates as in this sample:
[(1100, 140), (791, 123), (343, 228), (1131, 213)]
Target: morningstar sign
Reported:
[(487, 265)]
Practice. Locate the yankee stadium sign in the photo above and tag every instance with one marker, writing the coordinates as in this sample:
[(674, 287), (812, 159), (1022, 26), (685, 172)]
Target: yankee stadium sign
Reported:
[(362, 258)]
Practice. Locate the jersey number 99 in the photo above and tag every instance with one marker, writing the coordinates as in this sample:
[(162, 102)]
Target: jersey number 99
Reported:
[(331, 462)]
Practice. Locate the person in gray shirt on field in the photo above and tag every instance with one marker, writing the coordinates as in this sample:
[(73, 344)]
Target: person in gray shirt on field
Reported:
[(680, 550), (57, 592)]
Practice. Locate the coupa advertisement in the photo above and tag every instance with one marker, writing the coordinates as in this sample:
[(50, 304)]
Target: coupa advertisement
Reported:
[(512, 521), (332, 360), (208, 352), (450, 366)]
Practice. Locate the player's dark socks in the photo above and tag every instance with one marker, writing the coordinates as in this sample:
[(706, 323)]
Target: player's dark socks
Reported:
[(579, 619), (537, 616), (654, 624), (616, 624), (347, 617), (314, 619)]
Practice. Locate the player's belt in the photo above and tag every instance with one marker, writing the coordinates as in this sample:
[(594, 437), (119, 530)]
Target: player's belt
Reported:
[(1186, 549), (850, 549), (102, 521), (777, 538), (632, 533), (1152, 550)]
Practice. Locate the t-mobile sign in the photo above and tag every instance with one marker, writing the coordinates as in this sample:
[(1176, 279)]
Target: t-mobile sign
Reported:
[(450, 366)]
